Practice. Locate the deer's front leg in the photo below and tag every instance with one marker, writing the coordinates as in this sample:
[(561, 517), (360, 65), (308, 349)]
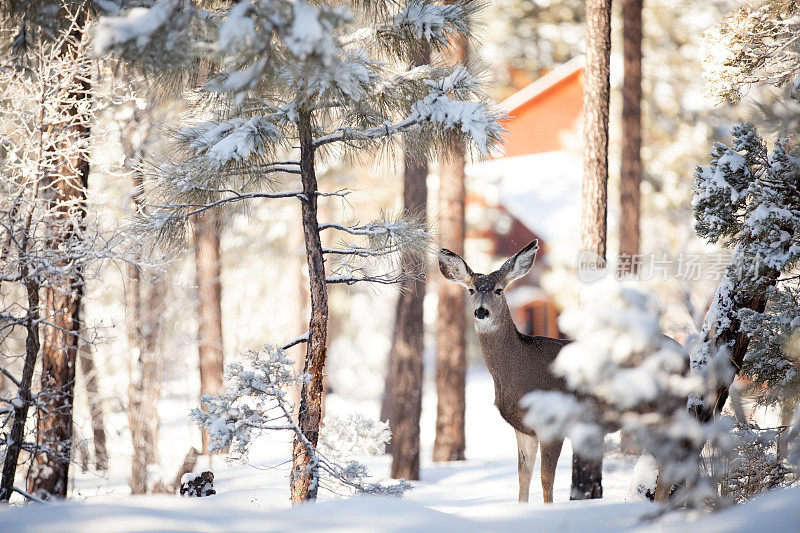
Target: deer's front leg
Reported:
[(526, 459), (550, 453)]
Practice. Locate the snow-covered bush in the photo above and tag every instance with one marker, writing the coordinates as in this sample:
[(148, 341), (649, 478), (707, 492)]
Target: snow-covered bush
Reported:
[(753, 468), (256, 400), (626, 374)]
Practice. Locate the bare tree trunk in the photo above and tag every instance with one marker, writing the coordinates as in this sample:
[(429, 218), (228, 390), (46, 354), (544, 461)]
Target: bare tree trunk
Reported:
[(17, 434), (408, 340), (451, 365), (152, 327), (95, 407), (587, 474), (595, 112), (136, 400), (49, 475), (631, 164), (298, 303), (304, 477), (451, 361), (209, 305)]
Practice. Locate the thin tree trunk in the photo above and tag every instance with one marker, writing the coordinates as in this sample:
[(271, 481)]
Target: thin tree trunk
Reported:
[(17, 434), (209, 305), (304, 477), (587, 474), (144, 323), (408, 340), (50, 473), (451, 361), (152, 327), (136, 400), (298, 302), (631, 164), (95, 407), (451, 365), (595, 113)]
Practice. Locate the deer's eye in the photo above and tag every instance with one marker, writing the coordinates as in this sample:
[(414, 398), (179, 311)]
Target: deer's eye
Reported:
[(498, 291), (472, 291)]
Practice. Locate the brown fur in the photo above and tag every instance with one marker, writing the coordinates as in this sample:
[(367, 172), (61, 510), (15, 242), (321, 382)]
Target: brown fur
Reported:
[(518, 363)]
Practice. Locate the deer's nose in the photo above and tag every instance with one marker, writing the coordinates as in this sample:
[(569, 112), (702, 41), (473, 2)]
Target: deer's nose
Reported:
[(481, 312)]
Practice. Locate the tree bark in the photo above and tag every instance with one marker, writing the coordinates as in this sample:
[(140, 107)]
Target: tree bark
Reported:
[(595, 128), (143, 322), (304, 476), (451, 365), (209, 305), (95, 407), (17, 433), (66, 192), (736, 339), (587, 474), (408, 340), (451, 361), (631, 163)]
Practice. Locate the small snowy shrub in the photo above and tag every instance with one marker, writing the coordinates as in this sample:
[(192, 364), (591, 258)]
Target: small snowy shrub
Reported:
[(255, 400), (754, 467)]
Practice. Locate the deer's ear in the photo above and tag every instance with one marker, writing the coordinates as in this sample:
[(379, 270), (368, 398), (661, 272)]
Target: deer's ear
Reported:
[(518, 264), (454, 268)]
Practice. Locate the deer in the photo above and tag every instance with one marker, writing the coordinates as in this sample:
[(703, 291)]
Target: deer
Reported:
[(518, 363)]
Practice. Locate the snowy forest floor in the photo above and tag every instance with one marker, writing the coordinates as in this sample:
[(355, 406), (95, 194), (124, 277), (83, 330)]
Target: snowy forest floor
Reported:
[(474, 495)]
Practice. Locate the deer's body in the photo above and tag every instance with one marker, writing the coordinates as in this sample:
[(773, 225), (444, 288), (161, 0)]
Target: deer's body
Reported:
[(518, 363)]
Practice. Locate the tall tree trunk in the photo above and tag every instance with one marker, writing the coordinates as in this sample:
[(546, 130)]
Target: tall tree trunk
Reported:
[(304, 477), (631, 164), (451, 361), (136, 399), (408, 339), (152, 327), (95, 407), (17, 434), (297, 304), (143, 323), (587, 474), (209, 305), (451, 365), (144, 311), (66, 192)]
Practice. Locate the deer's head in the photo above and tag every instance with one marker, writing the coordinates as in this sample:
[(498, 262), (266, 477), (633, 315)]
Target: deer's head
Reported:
[(487, 291)]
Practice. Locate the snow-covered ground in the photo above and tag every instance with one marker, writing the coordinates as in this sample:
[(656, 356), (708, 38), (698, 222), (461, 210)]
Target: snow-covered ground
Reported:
[(475, 495)]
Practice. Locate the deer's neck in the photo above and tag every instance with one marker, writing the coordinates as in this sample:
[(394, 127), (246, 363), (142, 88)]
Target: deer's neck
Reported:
[(498, 343)]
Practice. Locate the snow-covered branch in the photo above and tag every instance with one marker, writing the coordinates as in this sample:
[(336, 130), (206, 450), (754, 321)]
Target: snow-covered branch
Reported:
[(256, 400)]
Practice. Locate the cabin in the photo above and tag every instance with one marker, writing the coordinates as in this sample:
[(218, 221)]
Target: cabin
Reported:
[(532, 188)]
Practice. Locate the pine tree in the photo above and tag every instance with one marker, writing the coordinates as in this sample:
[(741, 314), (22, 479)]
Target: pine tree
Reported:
[(294, 83), (408, 339), (747, 200)]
